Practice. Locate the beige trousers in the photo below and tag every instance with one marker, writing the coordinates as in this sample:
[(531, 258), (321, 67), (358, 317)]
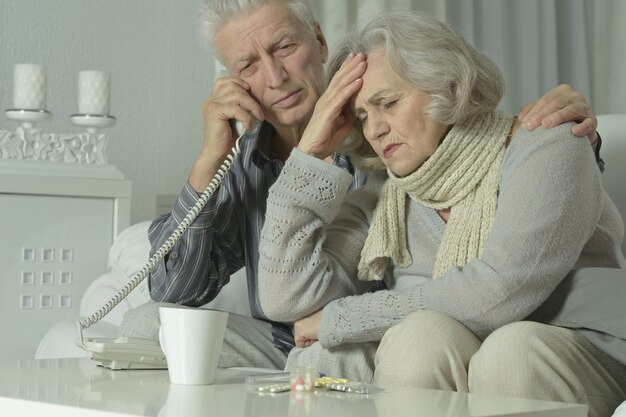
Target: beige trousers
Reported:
[(522, 359)]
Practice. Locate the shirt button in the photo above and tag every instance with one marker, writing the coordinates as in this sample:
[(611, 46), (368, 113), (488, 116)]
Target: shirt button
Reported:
[(174, 255)]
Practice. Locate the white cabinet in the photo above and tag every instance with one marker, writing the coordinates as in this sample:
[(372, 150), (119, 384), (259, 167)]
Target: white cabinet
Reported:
[(57, 223)]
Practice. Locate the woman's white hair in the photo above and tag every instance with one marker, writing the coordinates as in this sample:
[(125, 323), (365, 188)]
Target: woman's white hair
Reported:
[(215, 13), (431, 56)]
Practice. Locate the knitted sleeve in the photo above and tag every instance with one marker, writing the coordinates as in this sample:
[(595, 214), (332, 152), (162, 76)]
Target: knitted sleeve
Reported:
[(304, 260), (549, 205), (366, 317)]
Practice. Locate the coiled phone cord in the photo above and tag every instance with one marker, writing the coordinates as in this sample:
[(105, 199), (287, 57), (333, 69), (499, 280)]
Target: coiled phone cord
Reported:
[(166, 247)]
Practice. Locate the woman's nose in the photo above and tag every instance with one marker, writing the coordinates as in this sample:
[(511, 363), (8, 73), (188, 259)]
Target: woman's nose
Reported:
[(378, 128)]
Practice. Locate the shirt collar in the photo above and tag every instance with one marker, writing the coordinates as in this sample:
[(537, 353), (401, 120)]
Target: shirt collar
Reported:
[(263, 152)]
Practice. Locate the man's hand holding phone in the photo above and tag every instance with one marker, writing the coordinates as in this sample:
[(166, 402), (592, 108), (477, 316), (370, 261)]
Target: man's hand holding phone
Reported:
[(230, 99)]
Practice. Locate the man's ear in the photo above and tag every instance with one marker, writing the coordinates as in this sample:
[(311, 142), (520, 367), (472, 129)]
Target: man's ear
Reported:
[(322, 42)]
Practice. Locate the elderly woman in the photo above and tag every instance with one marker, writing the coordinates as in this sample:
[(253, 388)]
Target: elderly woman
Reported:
[(470, 220)]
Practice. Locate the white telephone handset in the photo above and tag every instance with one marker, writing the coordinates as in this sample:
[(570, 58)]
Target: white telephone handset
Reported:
[(123, 353), (237, 126)]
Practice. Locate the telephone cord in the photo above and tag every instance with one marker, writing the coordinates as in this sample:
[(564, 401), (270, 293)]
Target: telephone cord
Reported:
[(166, 247)]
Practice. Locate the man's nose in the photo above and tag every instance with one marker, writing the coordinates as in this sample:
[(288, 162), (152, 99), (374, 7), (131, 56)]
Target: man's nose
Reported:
[(275, 73)]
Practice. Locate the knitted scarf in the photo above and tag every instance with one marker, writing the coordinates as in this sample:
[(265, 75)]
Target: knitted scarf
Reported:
[(463, 174)]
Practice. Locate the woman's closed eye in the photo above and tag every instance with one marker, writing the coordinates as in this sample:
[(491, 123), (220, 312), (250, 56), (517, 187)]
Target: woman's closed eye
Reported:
[(389, 104)]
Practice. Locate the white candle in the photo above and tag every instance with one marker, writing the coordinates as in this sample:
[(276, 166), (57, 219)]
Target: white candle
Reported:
[(30, 87), (94, 92)]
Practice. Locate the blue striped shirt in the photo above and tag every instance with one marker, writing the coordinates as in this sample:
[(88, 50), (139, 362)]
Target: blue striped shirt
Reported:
[(225, 236)]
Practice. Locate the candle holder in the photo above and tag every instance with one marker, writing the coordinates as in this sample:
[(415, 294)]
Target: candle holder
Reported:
[(28, 116), (29, 100), (27, 142), (92, 121)]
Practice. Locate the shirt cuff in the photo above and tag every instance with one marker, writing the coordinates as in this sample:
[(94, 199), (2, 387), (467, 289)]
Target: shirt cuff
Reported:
[(185, 202)]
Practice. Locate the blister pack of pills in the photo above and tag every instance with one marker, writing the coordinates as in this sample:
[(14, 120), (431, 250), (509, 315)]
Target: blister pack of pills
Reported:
[(273, 388), (305, 380), (354, 387)]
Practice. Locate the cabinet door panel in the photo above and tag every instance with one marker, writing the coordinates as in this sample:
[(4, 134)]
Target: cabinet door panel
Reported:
[(51, 248)]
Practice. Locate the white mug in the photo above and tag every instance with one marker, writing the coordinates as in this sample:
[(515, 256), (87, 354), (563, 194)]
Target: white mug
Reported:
[(192, 340)]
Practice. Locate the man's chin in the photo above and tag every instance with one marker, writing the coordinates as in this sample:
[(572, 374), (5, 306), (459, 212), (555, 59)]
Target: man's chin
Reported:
[(291, 118)]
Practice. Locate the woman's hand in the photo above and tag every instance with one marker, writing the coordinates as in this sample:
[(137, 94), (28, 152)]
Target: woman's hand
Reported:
[(332, 119), (306, 329), (560, 105)]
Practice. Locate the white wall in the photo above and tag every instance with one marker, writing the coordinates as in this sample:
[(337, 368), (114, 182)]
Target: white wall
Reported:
[(160, 73)]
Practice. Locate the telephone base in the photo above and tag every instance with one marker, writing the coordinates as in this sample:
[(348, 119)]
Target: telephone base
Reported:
[(123, 365), (124, 353)]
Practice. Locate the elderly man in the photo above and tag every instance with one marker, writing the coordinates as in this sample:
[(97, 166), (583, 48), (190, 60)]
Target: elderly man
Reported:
[(274, 51)]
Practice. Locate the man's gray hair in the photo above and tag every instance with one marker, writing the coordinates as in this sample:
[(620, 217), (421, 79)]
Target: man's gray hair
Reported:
[(432, 57), (215, 13)]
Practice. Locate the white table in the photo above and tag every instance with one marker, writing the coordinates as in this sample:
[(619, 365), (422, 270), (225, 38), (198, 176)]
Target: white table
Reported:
[(77, 387)]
